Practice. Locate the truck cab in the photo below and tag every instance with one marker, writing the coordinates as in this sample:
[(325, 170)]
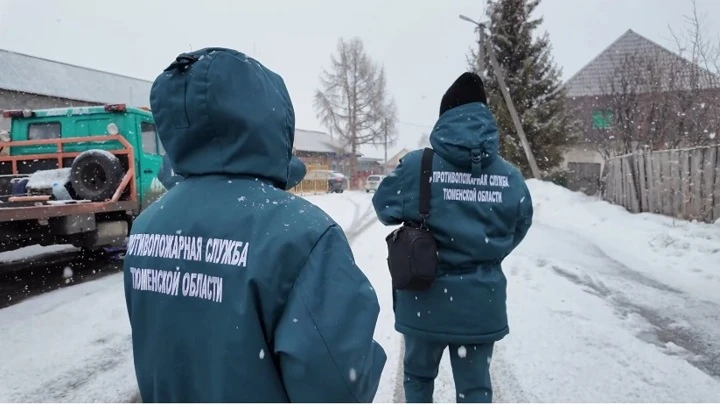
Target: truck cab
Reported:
[(108, 159)]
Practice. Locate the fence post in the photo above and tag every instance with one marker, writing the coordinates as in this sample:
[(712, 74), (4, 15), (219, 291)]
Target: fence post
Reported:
[(708, 183)]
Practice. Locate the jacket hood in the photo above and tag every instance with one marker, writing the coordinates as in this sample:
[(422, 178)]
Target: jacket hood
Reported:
[(467, 136), (297, 172), (169, 178), (221, 112)]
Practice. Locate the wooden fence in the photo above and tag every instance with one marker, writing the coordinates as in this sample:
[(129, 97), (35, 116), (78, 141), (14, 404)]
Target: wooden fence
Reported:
[(312, 184), (683, 183)]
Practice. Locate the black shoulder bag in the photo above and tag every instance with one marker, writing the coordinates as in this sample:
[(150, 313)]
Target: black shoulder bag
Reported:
[(412, 252)]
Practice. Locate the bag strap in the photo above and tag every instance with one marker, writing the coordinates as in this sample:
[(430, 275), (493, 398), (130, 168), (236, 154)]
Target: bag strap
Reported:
[(425, 185)]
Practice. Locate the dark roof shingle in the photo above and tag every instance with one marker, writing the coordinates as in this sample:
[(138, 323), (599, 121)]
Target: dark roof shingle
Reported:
[(593, 79)]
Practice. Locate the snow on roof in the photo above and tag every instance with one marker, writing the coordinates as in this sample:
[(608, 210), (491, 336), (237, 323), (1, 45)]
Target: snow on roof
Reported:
[(30, 74), (395, 160), (370, 159), (315, 141), (589, 81)]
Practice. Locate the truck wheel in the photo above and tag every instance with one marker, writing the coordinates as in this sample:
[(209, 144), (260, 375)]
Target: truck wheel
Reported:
[(96, 174)]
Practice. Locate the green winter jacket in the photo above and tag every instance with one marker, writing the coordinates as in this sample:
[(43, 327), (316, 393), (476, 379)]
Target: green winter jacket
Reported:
[(480, 211), (238, 291)]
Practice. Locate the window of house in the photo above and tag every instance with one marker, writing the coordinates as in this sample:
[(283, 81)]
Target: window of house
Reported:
[(44, 130), (149, 137), (602, 119)]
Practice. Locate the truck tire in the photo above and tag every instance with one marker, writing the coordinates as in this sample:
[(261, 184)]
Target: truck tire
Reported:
[(95, 175)]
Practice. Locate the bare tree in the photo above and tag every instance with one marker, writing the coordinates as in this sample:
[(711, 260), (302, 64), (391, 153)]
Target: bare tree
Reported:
[(387, 115), (353, 102), (700, 104), (658, 99), (637, 102)]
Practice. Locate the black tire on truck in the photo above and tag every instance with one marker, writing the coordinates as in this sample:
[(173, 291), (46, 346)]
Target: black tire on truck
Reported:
[(96, 174)]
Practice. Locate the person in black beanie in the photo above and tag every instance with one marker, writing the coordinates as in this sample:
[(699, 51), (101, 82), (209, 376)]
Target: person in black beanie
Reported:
[(480, 211), (468, 88)]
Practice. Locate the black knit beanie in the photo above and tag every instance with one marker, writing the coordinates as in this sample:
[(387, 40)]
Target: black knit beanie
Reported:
[(468, 88)]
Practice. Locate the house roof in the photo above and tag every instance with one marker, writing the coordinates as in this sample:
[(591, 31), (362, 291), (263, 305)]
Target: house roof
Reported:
[(30, 74), (315, 141), (395, 160), (370, 160), (593, 79)]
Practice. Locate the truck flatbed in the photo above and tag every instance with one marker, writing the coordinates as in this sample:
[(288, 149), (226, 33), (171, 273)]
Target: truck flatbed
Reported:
[(45, 211)]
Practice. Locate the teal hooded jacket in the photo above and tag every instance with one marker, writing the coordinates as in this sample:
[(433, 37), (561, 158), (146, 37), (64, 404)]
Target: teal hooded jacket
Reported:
[(238, 291), (480, 211)]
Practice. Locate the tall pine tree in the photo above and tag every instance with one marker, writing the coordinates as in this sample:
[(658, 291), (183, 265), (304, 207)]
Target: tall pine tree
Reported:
[(534, 83)]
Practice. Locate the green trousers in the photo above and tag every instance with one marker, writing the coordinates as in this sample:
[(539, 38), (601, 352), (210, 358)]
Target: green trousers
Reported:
[(470, 368)]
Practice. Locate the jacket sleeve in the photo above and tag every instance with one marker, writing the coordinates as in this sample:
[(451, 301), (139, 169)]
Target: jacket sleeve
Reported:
[(524, 219), (297, 172), (388, 199), (324, 339)]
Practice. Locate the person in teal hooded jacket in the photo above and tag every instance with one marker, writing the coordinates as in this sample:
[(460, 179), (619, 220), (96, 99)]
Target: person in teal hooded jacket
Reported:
[(480, 210), (168, 178), (238, 291)]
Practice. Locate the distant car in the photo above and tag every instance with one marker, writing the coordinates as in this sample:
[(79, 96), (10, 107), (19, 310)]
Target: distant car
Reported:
[(337, 182), (373, 182)]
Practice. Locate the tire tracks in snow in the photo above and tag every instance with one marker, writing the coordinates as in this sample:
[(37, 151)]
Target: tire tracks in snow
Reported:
[(68, 385), (667, 323), (361, 221)]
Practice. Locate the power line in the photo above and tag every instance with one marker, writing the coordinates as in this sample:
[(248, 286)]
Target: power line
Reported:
[(411, 124)]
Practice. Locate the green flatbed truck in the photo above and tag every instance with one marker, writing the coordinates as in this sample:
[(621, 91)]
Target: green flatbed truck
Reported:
[(77, 175)]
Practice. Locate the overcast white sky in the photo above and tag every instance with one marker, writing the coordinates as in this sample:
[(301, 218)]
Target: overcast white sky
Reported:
[(422, 43)]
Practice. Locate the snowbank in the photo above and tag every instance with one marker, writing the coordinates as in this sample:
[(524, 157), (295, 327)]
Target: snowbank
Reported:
[(607, 306), (682, 254)]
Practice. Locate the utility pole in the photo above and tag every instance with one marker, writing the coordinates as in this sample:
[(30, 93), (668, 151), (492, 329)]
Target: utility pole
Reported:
[(486, 46)]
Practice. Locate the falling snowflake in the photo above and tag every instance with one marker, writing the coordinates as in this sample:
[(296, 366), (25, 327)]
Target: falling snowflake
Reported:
[(262, 354), (241, 198), (418, 314), (487, 240), (295, 320), (67, 272), (462, 352), (353, 375)]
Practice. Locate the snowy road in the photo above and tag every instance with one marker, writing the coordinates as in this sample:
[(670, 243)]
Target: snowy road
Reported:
[(604, 306), (50, 271)]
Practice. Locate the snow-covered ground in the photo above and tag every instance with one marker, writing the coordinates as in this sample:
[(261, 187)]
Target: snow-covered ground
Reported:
[(604, 306), (34, 251)]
